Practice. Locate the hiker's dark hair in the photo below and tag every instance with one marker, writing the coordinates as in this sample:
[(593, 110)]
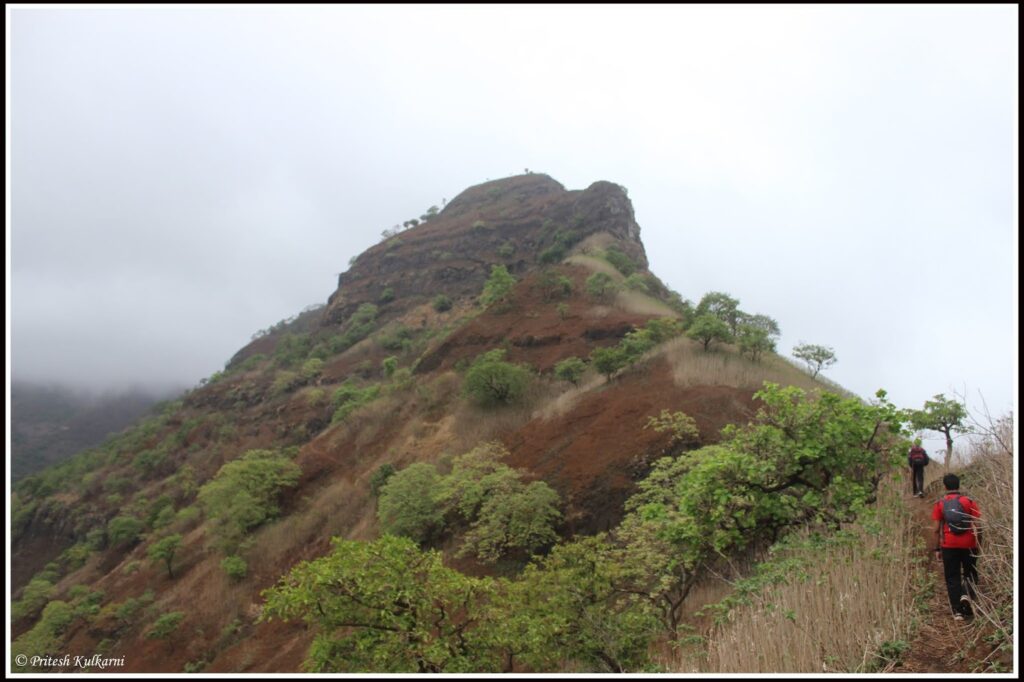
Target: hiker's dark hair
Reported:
[(951, 481)]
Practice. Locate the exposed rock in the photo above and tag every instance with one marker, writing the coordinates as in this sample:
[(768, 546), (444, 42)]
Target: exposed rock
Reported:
[(453, 252)]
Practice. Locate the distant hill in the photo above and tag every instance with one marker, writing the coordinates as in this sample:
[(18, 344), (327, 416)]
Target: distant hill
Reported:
[(50, 423)]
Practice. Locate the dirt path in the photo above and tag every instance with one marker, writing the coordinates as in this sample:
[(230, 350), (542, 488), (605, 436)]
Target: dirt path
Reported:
[(938, 639)]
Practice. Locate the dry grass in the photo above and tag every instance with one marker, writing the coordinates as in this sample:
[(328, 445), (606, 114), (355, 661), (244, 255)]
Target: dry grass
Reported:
[(475, 425), (564, 401), (989, 480), (854, 599), (595, 264), (639, 303), (724, 366), (595, 243)]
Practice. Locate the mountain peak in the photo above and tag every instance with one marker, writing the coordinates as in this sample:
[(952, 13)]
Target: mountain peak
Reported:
[(516, 222)]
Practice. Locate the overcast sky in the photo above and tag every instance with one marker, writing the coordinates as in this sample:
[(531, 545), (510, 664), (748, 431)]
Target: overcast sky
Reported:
[(181, 177)]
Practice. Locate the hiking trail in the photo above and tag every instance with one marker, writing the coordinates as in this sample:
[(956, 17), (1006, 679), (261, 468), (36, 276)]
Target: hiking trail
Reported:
[(936, 645)]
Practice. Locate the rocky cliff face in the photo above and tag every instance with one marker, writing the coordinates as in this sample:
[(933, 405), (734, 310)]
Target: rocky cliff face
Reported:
[(509, 221)]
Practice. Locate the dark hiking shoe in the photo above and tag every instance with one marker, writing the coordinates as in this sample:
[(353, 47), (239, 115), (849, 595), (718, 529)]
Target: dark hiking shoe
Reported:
[(965, 605)]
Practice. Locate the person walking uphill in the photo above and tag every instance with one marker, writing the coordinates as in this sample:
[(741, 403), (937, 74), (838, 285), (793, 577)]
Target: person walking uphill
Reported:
[(917, 460), (957, 543)]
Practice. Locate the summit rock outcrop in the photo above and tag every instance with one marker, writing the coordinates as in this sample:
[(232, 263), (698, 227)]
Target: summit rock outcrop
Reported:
[(502, 222)]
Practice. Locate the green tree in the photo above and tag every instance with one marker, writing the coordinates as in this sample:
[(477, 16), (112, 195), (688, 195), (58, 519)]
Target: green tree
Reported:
[(800, 461), (506, 515), (680, 425), (386, 606), (944, 415), (571, 370), (708, 328), (409, 503), (754, 341), (244, 494), (163, 551), (637, 342), (497, 287), (571, 606), (491, 381), (514, 518), (388, 366), (662, 329), (475, 475), (601, 286), (762, 322), (609, 360), (816, 357), (124, 530), (720, 305)]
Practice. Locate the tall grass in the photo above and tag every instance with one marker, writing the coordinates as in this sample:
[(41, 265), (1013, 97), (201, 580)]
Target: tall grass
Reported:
[(724, 366), (988, 479), (845, 608), (639, 303)]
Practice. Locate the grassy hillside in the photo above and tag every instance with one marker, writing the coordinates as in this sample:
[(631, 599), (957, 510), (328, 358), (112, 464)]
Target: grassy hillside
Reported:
[(159, 544)]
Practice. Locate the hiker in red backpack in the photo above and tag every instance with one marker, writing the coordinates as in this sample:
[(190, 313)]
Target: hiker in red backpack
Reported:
[(956, 542), (917, 460)]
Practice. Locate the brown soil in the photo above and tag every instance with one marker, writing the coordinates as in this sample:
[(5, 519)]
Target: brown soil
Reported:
[(596, 452), (533, 331)]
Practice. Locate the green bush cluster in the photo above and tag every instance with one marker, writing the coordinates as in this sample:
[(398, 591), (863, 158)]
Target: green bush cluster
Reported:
[(497, 287), (561, 241), (620, 261), (44, 637), (164, 625), (570, 370), (34, 596), (398, 339), (441, 303), (595, 603), (601, 286), (554, 286), (609, 360), (291, 349), (124, 530), (235, 567), (505, 515), (244, 493), (359, 325), (381, 476), (491, 382), (349, 397)]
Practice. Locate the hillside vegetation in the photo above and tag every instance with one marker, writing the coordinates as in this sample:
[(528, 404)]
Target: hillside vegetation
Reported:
[(502, 445)]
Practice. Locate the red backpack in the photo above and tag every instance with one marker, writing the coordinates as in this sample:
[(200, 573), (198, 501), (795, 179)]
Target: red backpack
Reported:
[(918, 455)]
